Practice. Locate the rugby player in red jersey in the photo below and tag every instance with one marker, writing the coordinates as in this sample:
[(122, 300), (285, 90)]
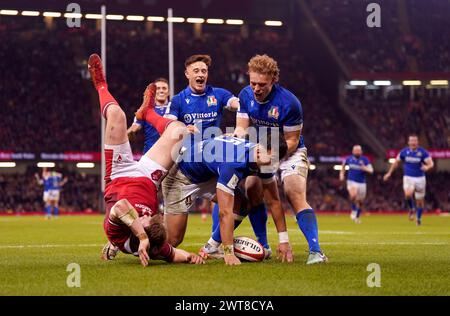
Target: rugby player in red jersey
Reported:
[(131, 223)]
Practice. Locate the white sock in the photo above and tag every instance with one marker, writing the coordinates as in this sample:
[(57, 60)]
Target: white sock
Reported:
[(213, 243)]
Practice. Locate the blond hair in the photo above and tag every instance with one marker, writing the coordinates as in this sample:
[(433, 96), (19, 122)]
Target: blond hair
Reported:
[(265, 65)]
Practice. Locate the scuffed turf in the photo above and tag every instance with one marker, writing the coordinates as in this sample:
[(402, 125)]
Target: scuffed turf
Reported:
[(34, 254)]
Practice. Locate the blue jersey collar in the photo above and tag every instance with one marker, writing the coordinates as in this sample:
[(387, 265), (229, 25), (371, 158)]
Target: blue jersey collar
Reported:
[(192, 93), (270, 96)]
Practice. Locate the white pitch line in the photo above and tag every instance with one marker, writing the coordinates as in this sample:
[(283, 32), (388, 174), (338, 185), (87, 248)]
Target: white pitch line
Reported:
[(49, 246), (385, 243)]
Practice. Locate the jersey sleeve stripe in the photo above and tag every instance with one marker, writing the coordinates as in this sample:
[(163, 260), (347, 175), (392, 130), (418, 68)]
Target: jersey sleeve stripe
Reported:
[(233, 98), (224, 188), (171, 116), (292, 128), (242, 115)]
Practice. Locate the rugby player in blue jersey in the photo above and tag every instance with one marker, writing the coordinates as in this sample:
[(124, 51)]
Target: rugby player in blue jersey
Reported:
[(151, 135), (416, 162), (266, 103), (53, 182), (199, 106), (358, 166), (213, 168)]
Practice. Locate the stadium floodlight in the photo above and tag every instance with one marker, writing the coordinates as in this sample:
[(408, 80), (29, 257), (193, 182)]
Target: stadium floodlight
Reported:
[(93, 16), (382, 82), (85, 165), (439, 82), (175, 19), (215, 21), (9, 12), (115, 17), (135, 18), (312, 167), (155, 18), (52, 14), (46, 164), (7, 164), (73, 15), (412, 82), (358, 83), (234, 22), (273, 23), (195, 20), (391, 160), (30, 13)]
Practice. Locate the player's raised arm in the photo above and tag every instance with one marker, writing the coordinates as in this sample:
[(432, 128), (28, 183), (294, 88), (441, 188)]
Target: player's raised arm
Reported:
[(133, 129), (226, 202), (273, 201), (39, 180), (125, 212), (342, 172), (392, 168), (242, 118)]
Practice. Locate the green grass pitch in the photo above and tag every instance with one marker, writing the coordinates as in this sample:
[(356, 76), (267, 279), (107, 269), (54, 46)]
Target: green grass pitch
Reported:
[(34, 254)]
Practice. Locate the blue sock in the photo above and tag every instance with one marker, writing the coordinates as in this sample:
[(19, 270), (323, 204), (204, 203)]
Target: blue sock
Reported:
[(216, 233), (215, 217), (410, 204), (258, 219), (307, 222), (419, 213), (48, 210), (358, 212), (56, 211)]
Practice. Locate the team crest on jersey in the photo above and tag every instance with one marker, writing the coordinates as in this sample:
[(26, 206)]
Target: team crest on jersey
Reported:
[(273, 112), (211, 100), (419, 154)]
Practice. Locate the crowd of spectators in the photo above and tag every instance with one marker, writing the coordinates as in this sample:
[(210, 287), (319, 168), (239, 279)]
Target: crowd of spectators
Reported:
[(20, 192), (362, 48), (393, 117), (48, 97), (48, 104), (326, 192), (421, 36)]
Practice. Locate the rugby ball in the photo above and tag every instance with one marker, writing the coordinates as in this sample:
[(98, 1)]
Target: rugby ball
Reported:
[(248, 249)]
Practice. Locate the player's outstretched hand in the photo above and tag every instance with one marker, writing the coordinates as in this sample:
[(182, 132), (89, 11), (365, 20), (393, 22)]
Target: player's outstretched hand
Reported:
[(144, 245), (386, 177), (192, 129), (231, 260), (195, 259), (284, 252)]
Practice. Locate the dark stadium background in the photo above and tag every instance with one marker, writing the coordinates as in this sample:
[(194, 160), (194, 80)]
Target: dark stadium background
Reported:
[(48, 107)]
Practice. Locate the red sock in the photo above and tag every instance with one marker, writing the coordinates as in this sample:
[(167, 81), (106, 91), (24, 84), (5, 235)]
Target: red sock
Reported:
[(157, 121), (106, 99)]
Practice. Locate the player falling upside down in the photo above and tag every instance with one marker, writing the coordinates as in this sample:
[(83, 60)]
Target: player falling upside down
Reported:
[(131, 223), (266, 103), (358, 166), (53, 182), (416, 162)]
